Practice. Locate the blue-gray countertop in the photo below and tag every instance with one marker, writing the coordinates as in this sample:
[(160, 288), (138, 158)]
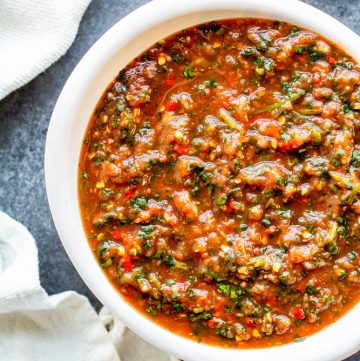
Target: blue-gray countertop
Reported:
[(24, 117)]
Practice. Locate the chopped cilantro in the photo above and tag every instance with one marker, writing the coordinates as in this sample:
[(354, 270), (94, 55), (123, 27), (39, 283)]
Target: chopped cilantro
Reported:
[(211, 83), (231, 290), (189, 73), (301, 49), (331, 247), (176, 58), (221, 201), (145, 231), (243, 227), (266, 222), (224, 289), (223, 331), (151, 311), (167, 260), (107, 263), (178, 307), (98, 160), (316, 55), (352, 255), (342, 275), (355, 160), (139, 203)]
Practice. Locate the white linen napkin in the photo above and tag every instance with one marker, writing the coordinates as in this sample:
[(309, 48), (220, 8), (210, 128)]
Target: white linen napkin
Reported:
[(37, 327), (33, 35)]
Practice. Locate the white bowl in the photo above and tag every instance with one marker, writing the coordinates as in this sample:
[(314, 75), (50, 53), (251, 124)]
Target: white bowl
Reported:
[(113, 51)]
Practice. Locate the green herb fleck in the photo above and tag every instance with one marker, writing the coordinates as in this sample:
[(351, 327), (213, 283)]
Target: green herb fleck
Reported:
[(151, 311), (189, 73)]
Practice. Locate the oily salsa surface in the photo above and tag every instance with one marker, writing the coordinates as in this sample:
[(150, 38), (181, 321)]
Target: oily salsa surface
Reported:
[(219, 183)]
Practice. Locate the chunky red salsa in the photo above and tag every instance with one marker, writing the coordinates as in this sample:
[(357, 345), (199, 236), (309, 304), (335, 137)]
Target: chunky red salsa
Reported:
[(219, 183)]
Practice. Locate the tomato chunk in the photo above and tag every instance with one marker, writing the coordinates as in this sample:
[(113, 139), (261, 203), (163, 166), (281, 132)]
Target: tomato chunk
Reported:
[(171, 105), (299, 314), (117, 234)]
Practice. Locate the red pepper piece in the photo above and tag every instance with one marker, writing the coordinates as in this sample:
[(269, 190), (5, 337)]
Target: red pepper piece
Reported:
[(181, 149), (273, 301), (130, 193), (170, 82), (302, 58), (301, 287), (290, 145), (254, 119), (117, 234), (127, 265), (171, 105), (230, 206), (299, 314), (167, 308), (332, 61)]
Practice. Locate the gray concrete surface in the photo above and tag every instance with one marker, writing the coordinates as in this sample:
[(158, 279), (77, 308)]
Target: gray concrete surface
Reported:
[(24, 117)]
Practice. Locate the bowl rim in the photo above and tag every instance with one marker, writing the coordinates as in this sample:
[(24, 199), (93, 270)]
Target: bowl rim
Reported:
[(119, 45)]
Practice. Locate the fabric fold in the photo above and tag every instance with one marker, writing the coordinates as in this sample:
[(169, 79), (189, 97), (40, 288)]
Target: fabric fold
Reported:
[(34, 34), (37, 327), (34, 325)]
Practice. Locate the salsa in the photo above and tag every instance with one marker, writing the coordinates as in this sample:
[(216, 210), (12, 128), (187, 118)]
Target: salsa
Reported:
[(219, 183)]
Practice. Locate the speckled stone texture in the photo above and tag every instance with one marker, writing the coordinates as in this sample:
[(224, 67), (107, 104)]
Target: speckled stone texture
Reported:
[(24, 117)]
